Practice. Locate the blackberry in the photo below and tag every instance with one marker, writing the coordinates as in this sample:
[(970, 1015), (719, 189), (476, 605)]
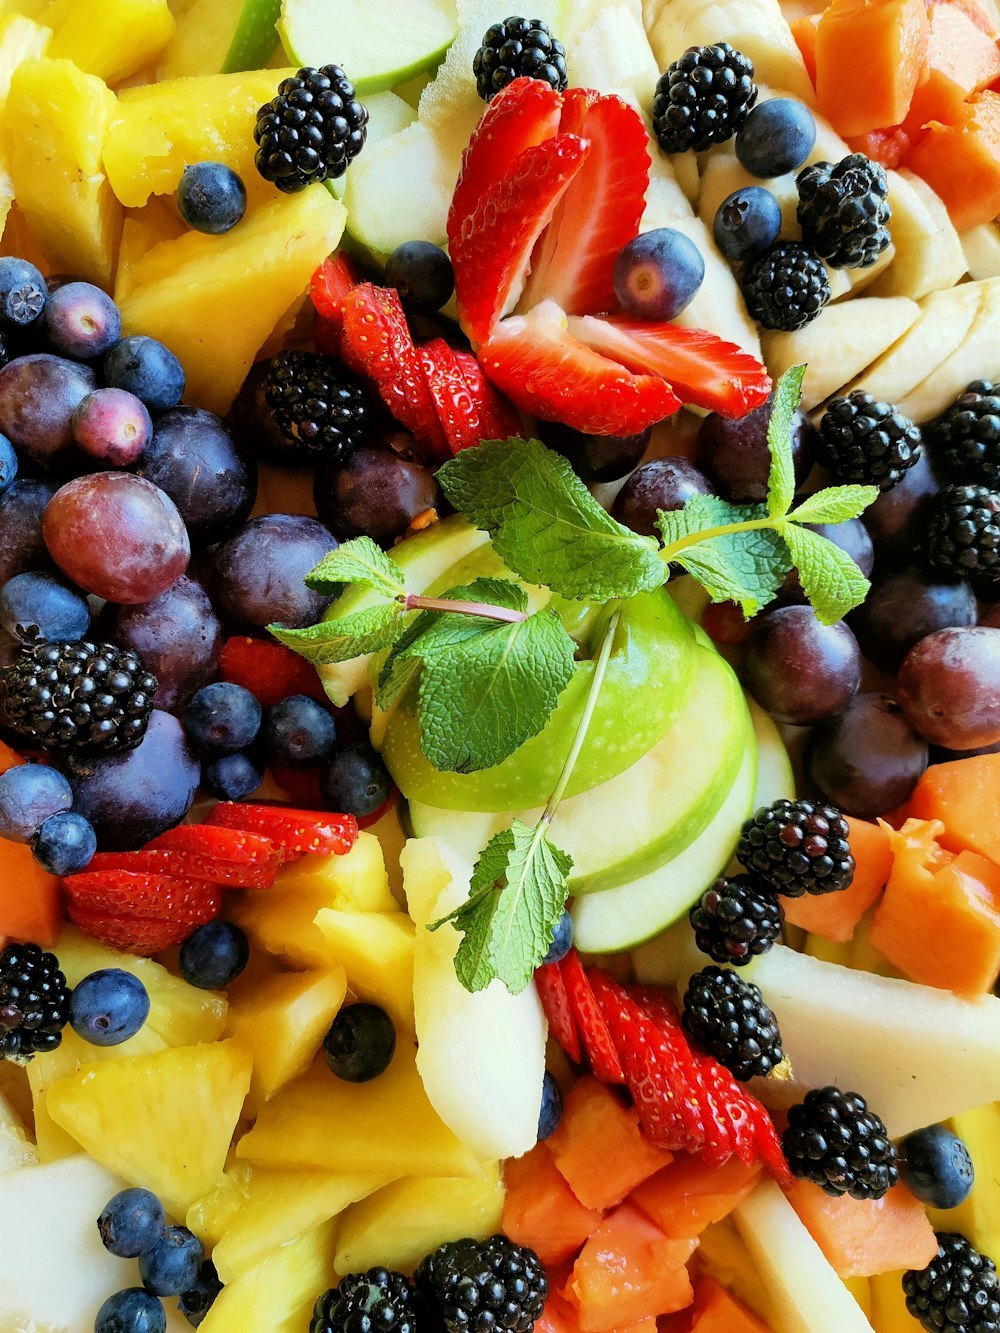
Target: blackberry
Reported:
[(80, 698), (310, 130), (34, 1000), (733, 920), (786, 287), (518, 48), (963, 535), (797, 847), (867, 441), (703, 98), (483, 1286), (377, 1301), (834, 1140), (321, 409), (967, 436), (843, 210), (958, 1291), (727, 1016)]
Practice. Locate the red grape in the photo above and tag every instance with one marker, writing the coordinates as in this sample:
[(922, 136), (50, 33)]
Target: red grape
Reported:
[(866, 761), (374, 494), (662, 483), (902, 608), (799, 670), (949, 687)]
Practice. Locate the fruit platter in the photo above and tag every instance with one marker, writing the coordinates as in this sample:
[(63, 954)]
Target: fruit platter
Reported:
[(500, 666)]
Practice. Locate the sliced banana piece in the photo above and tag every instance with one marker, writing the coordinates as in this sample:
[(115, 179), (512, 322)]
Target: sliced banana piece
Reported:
[(976, 358), (723, 174), (607, 48), (981, 246), (929, 254)]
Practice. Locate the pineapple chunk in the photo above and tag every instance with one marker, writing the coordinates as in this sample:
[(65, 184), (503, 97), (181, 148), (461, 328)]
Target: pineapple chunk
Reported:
[(376, 950), (278, 1295), (55, 126), (116, 38), (387, 1125), (357, 882), (143, 229), (15, 1150), (404, 1221), (209, 1216), (213, 300), (164, 1121), (20, 39), (282, 1023)]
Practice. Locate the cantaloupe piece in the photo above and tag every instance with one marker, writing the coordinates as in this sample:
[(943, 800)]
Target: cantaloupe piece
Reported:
[(541, 1211), (689, 1194), (716, 1311), (965, 797), (869, 58), (960, 158), (862, 1237), (835, 915)]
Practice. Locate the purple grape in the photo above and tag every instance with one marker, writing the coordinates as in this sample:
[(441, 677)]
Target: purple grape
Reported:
[(23, 292), (747, 223), (81, 321), (658, 274), (256, 577), (867, 760), (897, 521), (112, 426), (375, 493), (776, 137), (38, 396), (735, 457), (22, 546), (949, 687), (904, 606), (852, 538), (798, 669), (596, 457), (211, 197), (37, 605), (662, 483), (146, 368)]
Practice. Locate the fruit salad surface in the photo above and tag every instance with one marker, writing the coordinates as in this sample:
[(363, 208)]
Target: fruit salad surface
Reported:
[(499, 666)]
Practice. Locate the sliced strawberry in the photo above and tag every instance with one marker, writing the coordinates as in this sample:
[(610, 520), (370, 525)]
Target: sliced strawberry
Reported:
[(544, 369), (595, 1038), (491, 246), (554, 998), (330, 284), (269, 670), (498, 419), (144, 893), (704, 370), (466, 410), (190, 865), (375, 342), (522, 115), (230, 856), (296, 832), (599, 213), (130, 934)]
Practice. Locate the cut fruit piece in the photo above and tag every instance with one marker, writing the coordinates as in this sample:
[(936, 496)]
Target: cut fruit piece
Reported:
[(864, 1237), (960, 159), (976, 357), (279, 1294), (691, 1194), (115, 41), (355, 882), (30, 899), (775, 775), (965, 797), (716, 1311), (962, 60), (607, 49), (928, 254), (835, 915), (981, 246), (978, 1218), (869, 60), (541, 1211), (375, 950), (220, 35)]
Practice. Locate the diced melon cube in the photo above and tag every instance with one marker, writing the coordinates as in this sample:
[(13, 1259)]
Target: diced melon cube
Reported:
[(114, 39)]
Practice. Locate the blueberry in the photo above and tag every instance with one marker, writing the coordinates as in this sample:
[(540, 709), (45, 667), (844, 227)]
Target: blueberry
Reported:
[(231, 777), (112, 425), (173, 1264), (30, 794), (146, 368), (552, 1107), (222, 718), (211, 197), (131, 1223), (354, 780), (360, 1043), (658, 274), (299, 732), (35, 605), (131, 1311), (214, 955), (22, 292), (934, 1165), (195, 1303), (776, 137), (8, 463), (64, 843), (422, 274), (747, 222), (81, 321), (562, 939), (108, 1006)]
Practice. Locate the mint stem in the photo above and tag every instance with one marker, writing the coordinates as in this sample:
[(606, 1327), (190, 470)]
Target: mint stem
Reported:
[(413, 602), (670, 552)]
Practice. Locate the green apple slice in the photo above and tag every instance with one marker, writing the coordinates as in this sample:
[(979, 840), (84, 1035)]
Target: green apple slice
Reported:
[(254, 37), (377, 46), (220, 36)]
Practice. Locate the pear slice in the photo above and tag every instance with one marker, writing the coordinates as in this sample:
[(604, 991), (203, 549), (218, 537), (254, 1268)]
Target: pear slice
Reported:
[(976, 358)]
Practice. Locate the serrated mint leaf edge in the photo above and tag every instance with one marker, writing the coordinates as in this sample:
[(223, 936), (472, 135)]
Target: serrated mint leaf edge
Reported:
[(835, 504), (815, 556), (781, 477), (359, 561)]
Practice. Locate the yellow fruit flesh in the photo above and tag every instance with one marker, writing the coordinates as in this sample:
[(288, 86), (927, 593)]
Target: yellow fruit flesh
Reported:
[(978, 1218), (116, 38), (20, 39), (278, 1295), (357, 882), (376, 951)]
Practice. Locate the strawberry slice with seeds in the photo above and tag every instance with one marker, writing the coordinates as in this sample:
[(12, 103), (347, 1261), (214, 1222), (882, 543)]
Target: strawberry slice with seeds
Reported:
[(295, 832), (269, 670), (554, 998), (498, 419), (467, 410), (600, 211), (228, 856), (595, 1038), (330, 284), (491, 246), (192, 865), (144, 893), (544, 369), (129, 934), (704, 370)]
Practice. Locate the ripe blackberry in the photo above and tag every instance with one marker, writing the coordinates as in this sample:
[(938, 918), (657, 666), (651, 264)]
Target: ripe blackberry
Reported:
[(377, 1301), (797, 847), (483, 1286), (518, 48), (843, 211), (320, 408), (310, 130), (703, 98), (834, 1140), (867, 441), (958, 1291), (727, 1016), (733, 920), (967, 436), (34, 1000), (82, 698), (963, 535), (786, 287)]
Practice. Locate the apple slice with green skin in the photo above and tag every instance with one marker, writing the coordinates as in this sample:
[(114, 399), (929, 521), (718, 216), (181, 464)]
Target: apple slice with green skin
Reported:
[(220, 36), (254, 37)]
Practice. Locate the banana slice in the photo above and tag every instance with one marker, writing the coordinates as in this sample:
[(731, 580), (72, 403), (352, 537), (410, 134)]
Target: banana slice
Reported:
[(982, 250), (976, 358), (929, 254)]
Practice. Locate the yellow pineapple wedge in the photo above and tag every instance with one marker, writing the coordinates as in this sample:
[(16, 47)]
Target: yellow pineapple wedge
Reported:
[(978, 1217), (401, 1223), (163, 1121), (278, 1295), (54, 130), (21, 39), (376, 951), (387, 1125), (282, 1022), (143, 229), (213, 300), (209, 1216), (114, 39)]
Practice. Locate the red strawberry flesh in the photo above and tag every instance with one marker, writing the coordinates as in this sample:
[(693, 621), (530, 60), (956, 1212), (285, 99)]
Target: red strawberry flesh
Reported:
[(296, 832), (142, 893), (595, 1039), (554, 997), (130, 934)]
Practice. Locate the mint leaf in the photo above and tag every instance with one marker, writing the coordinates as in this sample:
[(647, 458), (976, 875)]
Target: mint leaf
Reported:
[(830, 578), (746, 567), (545, 524), (699, 515), (339, 640), (836, 504), (781, 480), (357, 561)]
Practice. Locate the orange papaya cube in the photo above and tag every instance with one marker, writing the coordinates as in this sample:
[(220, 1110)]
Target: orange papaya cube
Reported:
[(560, 1317), (965, 797), (961, 60), (865, 1237), (887, 147), (870, 55), (835, 915), (804, 32), (541, 1211), (627, 1271), (599, 1147), (31, 906), (690, 1194), (960, 160), (716, 1311)]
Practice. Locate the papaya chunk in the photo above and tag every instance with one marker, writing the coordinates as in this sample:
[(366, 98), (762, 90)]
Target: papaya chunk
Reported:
[(865, 1237), (965, 797), (960, 159), (541, 1211), (835, 915), (870, 55), (961, 60)]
